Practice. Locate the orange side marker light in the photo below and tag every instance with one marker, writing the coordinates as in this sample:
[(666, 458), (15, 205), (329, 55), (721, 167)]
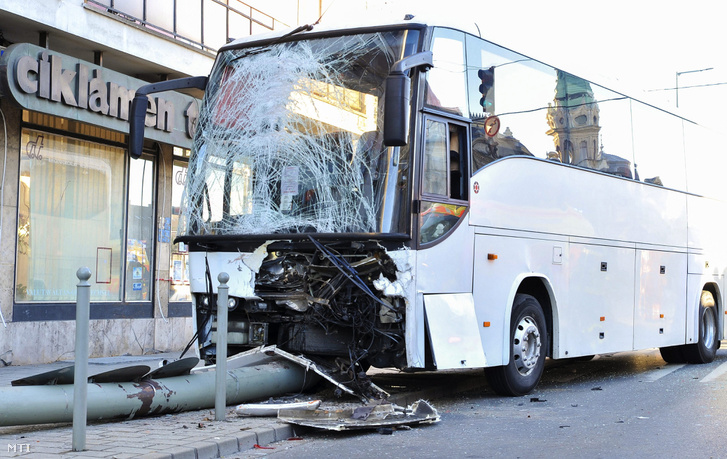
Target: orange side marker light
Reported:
[(485, 324), (491, 256)]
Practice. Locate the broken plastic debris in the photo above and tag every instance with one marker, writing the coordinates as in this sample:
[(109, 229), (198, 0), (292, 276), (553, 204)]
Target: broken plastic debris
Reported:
[(272, 409), (381, 416)]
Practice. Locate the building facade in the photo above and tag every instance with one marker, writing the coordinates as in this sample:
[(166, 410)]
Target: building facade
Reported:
[(70, 195)]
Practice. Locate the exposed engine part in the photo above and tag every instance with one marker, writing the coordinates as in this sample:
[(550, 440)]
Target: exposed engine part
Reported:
[(321, 300)]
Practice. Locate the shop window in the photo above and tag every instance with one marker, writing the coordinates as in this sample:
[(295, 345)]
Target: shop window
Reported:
[(70, 214), (140, 230), (179, 259)]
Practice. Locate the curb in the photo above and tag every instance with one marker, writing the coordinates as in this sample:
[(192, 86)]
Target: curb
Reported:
[(245, 441)]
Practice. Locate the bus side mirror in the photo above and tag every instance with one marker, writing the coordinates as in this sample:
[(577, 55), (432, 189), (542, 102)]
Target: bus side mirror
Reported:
[(397, 98), (139, 105), (136, 124), (396, 111)]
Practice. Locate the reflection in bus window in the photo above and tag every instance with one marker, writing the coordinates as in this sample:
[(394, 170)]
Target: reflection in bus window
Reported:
[(552, 114), (435, 158), (436, 219), (445, 89)]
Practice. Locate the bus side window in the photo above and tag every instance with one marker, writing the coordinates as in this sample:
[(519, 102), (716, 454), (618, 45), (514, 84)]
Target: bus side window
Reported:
[(457, 162)]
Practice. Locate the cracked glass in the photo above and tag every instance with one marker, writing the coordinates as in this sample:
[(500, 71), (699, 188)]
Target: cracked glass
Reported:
[(289, 140)]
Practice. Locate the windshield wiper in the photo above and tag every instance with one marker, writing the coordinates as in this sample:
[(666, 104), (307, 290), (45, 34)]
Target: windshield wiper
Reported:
[(297, 30)]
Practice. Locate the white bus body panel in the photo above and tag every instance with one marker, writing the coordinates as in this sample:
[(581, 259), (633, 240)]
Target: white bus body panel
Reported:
[(405, 287), (598, 316), (659, 316), (454, 331), (445, 269), (529, 194), (496, 283), (447, 266), (242, 276)]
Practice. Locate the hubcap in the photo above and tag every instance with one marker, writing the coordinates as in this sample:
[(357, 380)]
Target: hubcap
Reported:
[(526, 345), (709, 327)]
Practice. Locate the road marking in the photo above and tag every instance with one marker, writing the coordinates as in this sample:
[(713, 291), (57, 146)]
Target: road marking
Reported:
[(716, 373), (661, 372)]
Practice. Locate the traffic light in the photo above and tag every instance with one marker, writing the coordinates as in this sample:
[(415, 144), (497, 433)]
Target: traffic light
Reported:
[(487, 76)]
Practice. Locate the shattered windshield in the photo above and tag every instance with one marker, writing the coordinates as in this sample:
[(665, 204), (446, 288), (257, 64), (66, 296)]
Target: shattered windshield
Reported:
[(290, 140)]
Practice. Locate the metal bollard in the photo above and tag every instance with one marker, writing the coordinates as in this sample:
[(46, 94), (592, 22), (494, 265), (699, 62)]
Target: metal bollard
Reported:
[(80, 368), (221, 364)]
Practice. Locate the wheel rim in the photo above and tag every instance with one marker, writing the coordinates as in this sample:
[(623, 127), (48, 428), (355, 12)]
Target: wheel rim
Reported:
[(526, 345), (709, 327)]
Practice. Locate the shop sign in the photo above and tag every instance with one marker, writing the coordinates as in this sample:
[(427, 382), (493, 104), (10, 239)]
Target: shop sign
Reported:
[(45, 81)]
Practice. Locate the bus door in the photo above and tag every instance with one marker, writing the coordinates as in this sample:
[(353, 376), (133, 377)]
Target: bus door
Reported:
[(444, 271)]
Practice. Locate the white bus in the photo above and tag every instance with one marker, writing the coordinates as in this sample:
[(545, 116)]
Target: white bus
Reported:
[(417, 197)]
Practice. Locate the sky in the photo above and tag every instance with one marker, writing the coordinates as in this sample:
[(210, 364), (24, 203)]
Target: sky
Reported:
[(635, 46)]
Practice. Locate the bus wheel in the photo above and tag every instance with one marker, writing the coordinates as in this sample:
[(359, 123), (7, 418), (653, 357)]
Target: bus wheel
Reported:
[(705, 349), (672, 354), (528, 347)]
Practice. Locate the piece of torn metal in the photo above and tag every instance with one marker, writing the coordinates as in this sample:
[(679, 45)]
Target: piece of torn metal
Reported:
[(368, 393), (265, 354), (272, 409), (386, 415)]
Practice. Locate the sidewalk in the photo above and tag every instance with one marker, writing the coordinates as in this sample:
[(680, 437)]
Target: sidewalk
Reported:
[(192, 434)]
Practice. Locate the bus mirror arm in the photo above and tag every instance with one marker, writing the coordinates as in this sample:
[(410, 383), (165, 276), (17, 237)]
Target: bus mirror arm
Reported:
[(139, 106), (398, 94)]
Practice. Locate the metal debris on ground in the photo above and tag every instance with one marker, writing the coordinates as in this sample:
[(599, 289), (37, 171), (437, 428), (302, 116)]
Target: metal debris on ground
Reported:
[(272, 409), (379, 416)]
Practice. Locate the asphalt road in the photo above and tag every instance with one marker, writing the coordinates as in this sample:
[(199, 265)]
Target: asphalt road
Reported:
[(616, 406)]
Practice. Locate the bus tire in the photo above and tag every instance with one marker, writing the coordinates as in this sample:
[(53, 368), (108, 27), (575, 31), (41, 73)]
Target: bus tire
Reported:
[(705, 349), (528, 348), (673, 354)]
